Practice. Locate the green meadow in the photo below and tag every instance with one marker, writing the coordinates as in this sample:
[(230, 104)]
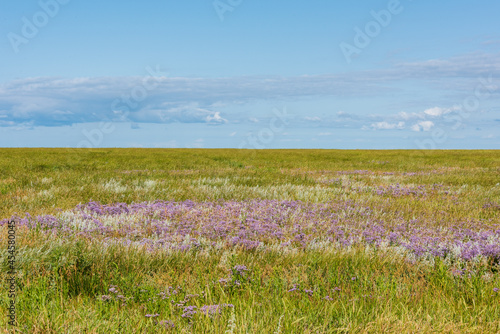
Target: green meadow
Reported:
[(62, 278)]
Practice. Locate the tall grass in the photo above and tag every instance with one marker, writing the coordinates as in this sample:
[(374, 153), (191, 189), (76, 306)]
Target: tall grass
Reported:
[(62, 283), (72, 284)]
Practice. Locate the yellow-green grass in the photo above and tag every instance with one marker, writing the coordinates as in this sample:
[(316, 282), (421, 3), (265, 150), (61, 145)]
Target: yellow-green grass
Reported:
[(61, 279), (41, 181)]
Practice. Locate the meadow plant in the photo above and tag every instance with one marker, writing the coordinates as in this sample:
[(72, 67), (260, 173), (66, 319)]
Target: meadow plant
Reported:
[(216, 241)]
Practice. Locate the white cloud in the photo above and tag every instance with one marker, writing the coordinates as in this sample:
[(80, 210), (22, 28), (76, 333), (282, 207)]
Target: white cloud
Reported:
[(387, 126), (215, 118), (312, 119), (438, 111), (422, 126), (187, 113), (109, 98), (466, 65), (343, 114), (407, 116), (84, 100), (35, 98), (7, 123), (325, 134)]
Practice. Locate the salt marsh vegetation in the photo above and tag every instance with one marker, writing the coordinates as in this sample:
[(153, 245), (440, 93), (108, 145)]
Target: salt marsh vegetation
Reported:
[(222, 241)]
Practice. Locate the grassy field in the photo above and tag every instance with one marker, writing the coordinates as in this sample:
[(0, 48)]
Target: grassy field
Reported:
[(234, 241)]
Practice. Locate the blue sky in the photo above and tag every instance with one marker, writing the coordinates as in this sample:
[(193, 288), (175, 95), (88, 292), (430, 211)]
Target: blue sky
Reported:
[(250, 74)]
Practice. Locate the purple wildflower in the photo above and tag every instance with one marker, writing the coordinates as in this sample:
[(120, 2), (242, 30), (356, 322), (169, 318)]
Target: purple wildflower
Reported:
[(189, 311), (239, 270), (167, 324), (178, 226), (214, 309)]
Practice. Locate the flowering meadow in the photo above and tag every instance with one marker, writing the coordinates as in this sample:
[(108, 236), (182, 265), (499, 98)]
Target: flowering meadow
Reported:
[(232, 241)]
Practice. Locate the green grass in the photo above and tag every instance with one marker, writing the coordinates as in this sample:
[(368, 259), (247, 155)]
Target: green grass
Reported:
[(62, 279)]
